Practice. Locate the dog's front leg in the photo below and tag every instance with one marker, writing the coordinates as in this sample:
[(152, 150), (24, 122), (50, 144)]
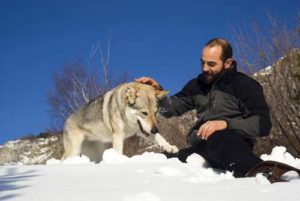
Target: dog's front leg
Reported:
[(118, 140), (162, 142)]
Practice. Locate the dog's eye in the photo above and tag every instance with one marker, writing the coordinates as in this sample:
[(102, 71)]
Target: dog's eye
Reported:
[(145, 113)]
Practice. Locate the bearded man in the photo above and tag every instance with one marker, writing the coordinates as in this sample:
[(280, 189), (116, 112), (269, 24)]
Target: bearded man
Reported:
[(231, 111)]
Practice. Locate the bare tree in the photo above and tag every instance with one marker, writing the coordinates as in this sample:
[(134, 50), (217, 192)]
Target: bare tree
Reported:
[(73, 87), (77, 84), (275, 48), (260, 46), (98, 50)]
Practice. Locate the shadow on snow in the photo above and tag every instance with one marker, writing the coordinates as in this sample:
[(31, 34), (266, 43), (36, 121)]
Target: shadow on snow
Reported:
[(9, 180)]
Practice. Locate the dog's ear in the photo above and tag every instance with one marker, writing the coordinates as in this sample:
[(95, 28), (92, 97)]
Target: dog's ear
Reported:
[(160, 94), (130, 95)]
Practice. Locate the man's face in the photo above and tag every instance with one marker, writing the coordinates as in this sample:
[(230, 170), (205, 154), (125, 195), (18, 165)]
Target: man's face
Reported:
[(212, 64)]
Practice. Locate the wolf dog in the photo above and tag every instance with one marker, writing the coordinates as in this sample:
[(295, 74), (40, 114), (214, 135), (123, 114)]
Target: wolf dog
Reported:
[(126, 110)]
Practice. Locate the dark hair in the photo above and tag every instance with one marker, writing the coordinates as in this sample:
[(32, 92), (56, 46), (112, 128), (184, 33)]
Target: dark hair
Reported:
[(224, 44)]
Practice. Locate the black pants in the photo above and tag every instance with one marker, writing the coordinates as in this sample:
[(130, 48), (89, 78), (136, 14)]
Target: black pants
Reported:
[(225, 150)]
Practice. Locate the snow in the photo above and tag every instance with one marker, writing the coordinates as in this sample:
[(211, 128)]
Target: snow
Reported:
[(263, 72), (150, 176), (280, 154), (11, 144)]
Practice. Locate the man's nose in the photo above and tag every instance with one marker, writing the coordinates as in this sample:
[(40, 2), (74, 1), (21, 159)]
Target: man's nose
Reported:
[(205, 68)]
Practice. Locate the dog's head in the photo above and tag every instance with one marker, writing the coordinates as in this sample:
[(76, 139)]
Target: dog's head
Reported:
[(143, 100)]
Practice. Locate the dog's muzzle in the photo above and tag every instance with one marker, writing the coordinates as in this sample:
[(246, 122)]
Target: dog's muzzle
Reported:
[(141, 128)]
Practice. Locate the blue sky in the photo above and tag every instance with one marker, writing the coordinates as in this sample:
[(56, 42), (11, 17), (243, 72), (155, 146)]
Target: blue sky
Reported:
[(156, 38)]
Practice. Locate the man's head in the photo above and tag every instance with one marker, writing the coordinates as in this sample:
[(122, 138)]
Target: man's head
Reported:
[(216, 57)]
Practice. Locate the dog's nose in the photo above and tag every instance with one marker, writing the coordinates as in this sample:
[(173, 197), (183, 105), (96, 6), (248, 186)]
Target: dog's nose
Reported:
[(154, 130)]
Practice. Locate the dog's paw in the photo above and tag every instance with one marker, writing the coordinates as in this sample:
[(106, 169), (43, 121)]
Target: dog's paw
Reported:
[(171, 149)]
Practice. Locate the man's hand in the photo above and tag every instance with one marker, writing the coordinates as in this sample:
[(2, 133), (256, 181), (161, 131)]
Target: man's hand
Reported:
[(210, 127), (149, 81)]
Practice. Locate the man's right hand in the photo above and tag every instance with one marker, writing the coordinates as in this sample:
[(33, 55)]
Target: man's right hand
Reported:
[(149, 81)]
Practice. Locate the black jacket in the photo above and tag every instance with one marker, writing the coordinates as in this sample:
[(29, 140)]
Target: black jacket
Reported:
[(234, 97)]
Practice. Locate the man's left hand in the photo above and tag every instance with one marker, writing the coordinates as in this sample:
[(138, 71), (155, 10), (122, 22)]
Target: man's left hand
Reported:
[(210, 127)]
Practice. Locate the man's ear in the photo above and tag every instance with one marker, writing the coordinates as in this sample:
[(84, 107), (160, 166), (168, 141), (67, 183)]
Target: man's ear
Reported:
[(160, 94), (130, 95), (228, 63)]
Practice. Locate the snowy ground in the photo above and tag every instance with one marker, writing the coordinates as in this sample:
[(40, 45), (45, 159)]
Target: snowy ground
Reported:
[(147, 177)]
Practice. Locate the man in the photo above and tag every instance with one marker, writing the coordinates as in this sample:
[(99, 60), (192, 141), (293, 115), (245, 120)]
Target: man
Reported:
[(231, 110)]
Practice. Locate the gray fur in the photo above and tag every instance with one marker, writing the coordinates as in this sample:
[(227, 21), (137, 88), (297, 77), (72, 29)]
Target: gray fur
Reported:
[(114, 117)]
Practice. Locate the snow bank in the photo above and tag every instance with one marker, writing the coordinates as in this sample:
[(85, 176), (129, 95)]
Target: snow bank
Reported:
[(196, 170), (111, 156), (280, 154), (149, 176)]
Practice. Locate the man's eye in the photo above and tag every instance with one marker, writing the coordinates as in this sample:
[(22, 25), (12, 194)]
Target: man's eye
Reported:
[(211, 64)]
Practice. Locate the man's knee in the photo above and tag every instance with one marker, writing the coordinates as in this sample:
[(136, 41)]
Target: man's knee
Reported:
[(218, 139), (223, 142)]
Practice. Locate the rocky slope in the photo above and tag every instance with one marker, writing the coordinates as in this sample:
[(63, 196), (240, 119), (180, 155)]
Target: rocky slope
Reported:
[(32, 150), (281, 83)]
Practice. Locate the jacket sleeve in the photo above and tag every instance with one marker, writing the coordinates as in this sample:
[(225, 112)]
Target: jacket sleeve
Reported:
[(177, 104), (255, 119)]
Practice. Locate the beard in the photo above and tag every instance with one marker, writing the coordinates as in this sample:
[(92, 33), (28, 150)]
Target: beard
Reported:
[(210, 77)]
